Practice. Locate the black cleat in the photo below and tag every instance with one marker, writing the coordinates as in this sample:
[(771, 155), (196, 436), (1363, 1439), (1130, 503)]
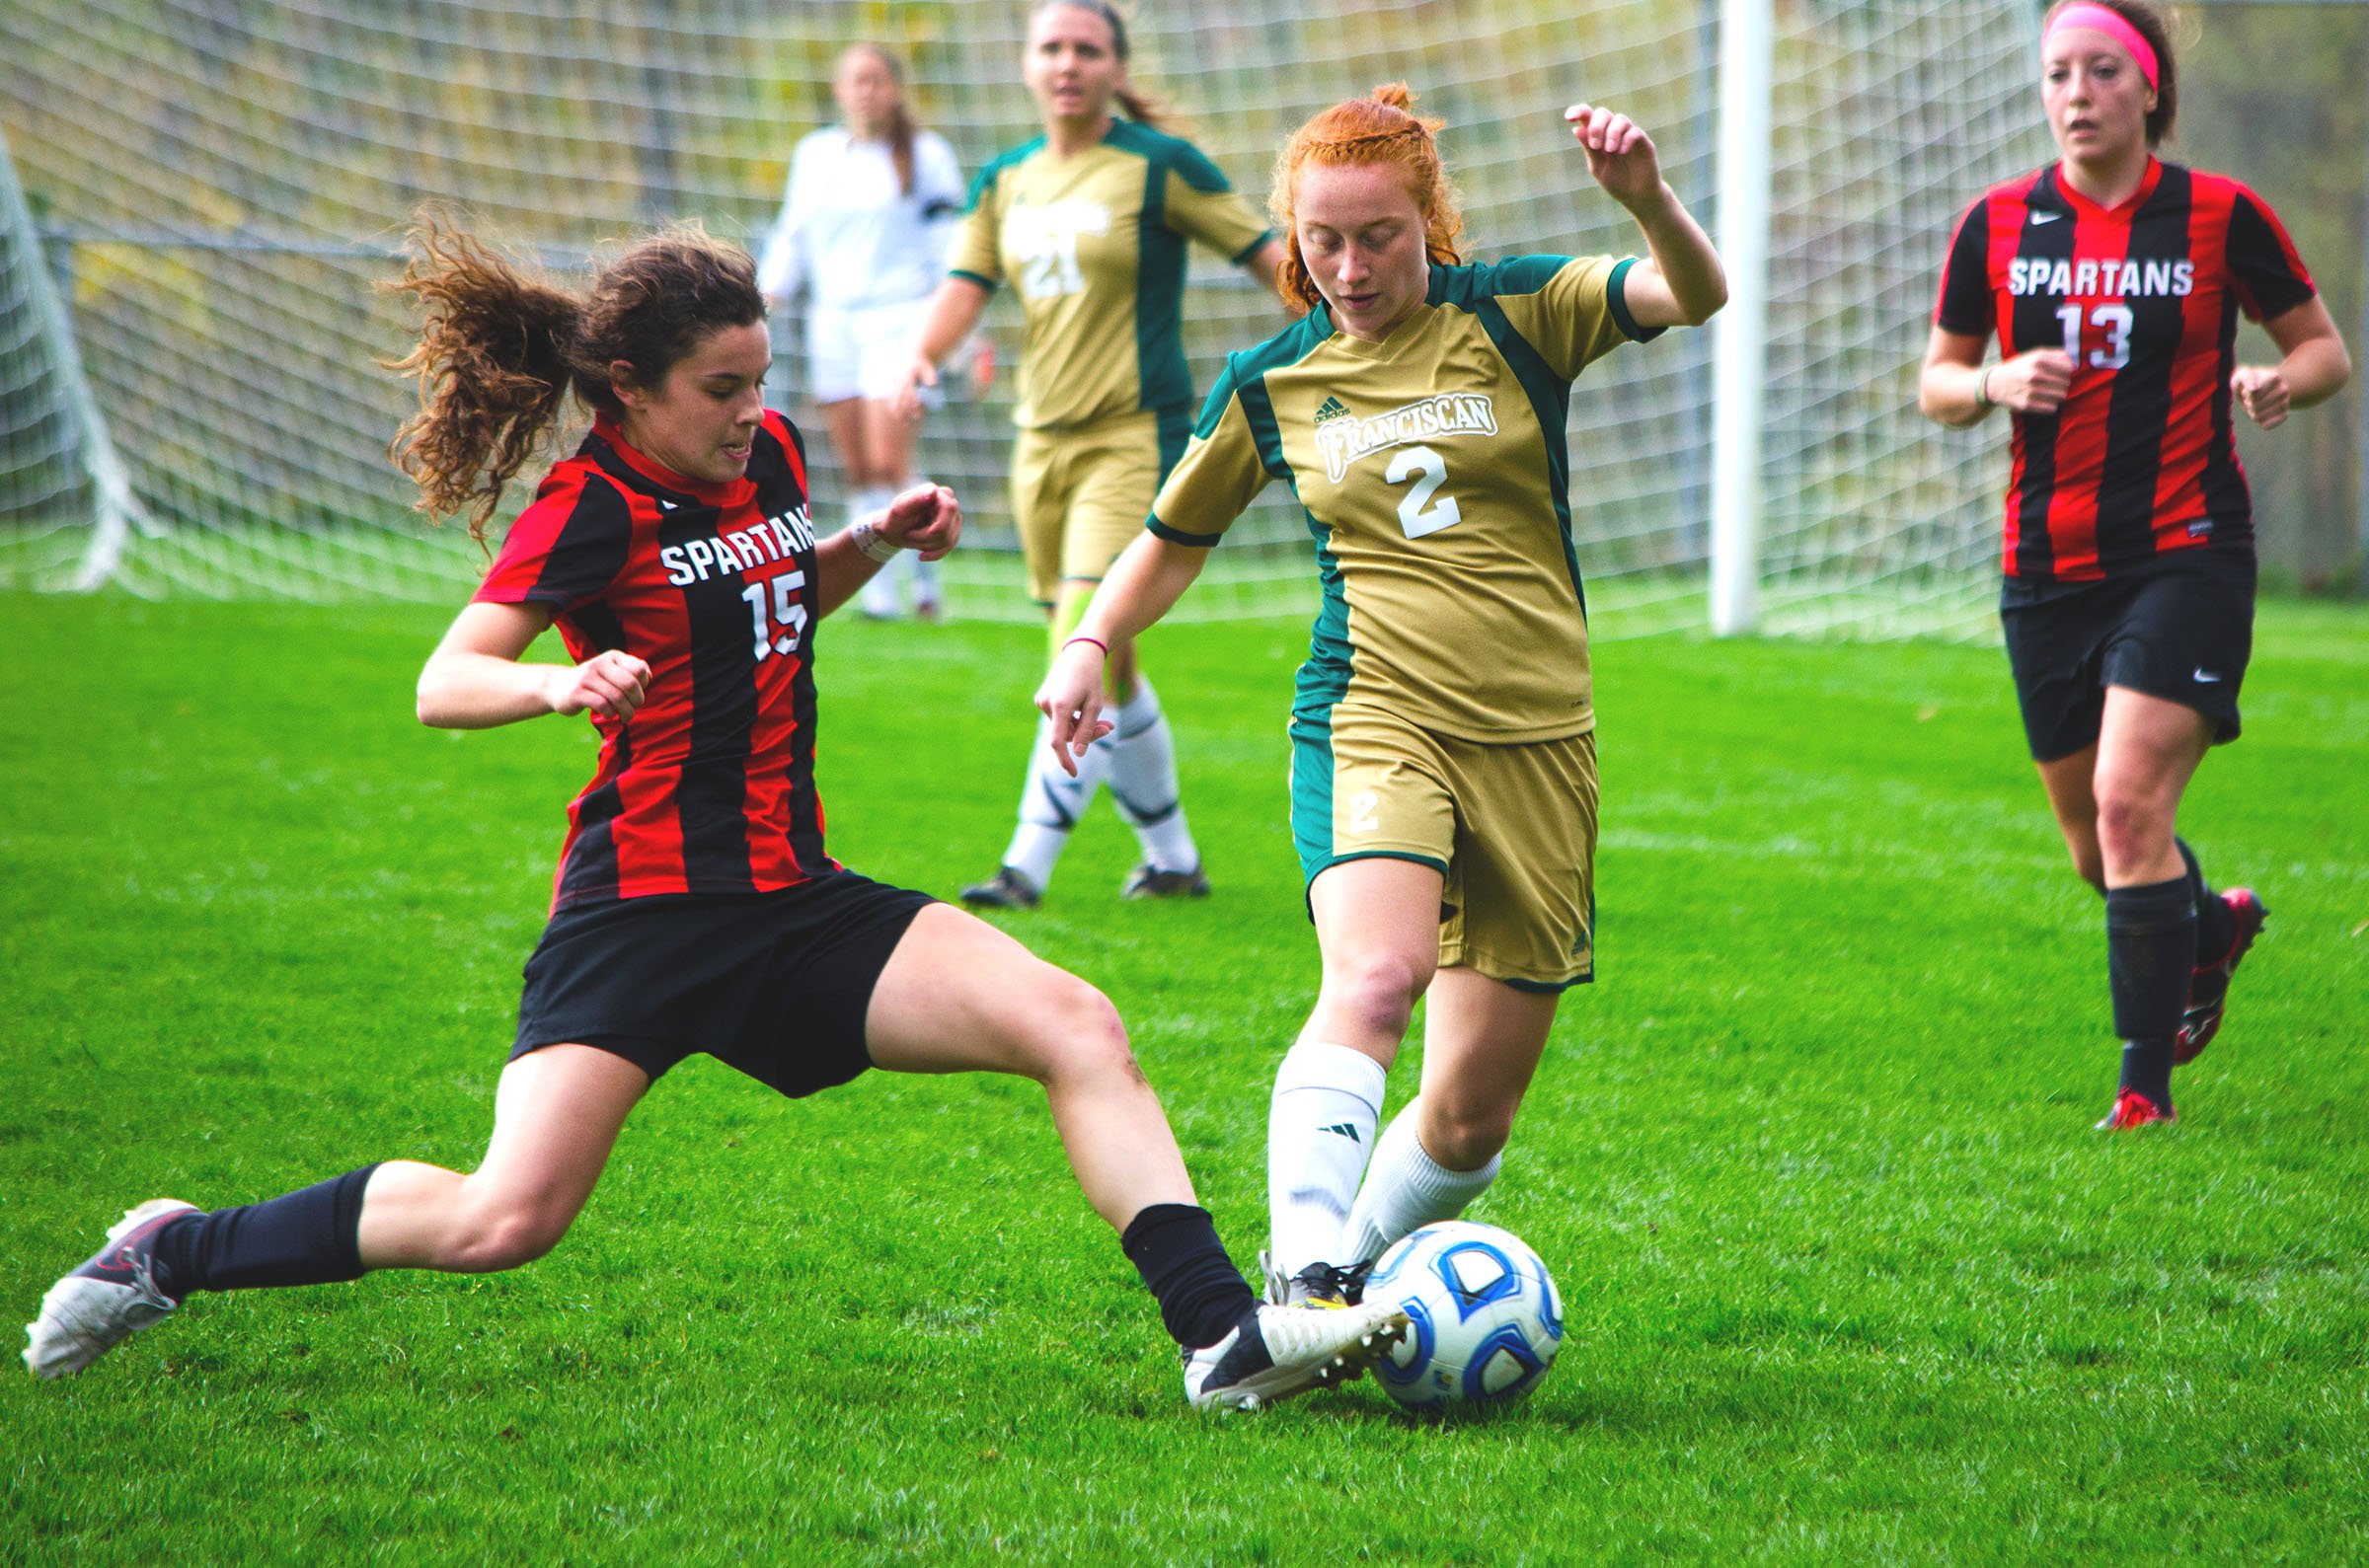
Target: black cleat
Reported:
[(1006, 889), (1147, 881)]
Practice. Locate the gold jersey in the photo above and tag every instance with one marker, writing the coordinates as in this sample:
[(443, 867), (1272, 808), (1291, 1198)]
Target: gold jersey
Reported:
[(1094, 245), (1435, 476)]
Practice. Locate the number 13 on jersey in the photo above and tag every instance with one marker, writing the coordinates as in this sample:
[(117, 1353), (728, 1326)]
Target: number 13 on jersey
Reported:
[(2111, 320)]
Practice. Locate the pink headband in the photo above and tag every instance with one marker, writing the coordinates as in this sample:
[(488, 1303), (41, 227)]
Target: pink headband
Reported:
[(2097, 18)]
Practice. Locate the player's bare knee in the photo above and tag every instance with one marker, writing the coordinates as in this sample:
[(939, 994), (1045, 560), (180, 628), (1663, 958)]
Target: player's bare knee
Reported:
[(2132, 825), (1080, 1035), (1379, 988), (504, 1234)]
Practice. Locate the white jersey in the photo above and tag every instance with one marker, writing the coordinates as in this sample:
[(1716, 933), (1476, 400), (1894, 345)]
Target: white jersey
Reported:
[(849, 235)]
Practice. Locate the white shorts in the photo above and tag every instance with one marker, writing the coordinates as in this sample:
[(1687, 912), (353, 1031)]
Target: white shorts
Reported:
[(862, 352)]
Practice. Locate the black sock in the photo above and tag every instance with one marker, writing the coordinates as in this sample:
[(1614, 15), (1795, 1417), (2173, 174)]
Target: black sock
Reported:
[(310, 1237), (2150, 950), (2216, 928), (2147, 1067), (1202, 1294)]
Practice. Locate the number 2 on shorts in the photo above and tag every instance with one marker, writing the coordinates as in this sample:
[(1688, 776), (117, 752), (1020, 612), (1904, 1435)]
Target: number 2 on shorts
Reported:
[(1365, 811)]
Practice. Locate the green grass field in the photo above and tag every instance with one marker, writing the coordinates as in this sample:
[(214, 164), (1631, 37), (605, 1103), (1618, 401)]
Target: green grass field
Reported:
[(1847, 1275)]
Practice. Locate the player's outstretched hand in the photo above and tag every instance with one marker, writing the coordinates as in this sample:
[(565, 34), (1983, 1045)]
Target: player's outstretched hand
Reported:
[(2032, 383), (907, 402), (610, 685), (926, 518), (2262, 390), (1620, 154), (1072, 698)]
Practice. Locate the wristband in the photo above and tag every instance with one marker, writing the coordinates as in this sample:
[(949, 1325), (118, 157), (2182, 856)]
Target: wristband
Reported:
[(1097, 641), (1982, 389), (868, 540)]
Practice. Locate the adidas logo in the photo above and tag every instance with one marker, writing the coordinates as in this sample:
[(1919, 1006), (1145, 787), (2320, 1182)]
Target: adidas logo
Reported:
[(1347, 1129), (1332, 409)]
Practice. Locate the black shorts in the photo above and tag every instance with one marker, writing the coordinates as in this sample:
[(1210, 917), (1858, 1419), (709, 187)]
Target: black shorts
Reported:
[(775, 984), (2180, 627)]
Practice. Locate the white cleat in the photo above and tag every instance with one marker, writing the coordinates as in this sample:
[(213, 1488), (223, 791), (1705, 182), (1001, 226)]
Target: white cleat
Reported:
[(1280, 1351), (106, 1300)]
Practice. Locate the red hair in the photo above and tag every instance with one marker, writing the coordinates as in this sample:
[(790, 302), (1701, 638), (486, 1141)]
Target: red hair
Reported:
[(1379, 128)]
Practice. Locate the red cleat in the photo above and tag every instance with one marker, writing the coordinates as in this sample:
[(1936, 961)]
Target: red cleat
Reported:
[(2209, 987), (2134, 1109)]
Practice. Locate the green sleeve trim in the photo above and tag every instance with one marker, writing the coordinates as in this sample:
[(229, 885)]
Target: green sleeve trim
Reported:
[(1252, 249), (1526, 275), (986, 283), (1615, 295), (1177, 536)]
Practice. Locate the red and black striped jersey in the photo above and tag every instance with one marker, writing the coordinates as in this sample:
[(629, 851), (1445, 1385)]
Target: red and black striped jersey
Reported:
[(710, 786), (2145, 298)]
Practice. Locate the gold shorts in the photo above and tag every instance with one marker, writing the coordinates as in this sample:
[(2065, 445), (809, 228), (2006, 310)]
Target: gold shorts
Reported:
[(1512, 828), (1080, 494)]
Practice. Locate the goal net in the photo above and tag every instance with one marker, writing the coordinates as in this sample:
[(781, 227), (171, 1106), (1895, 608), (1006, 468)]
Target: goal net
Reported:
[(208, 191)]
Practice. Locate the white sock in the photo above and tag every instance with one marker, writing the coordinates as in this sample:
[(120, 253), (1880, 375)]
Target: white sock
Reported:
[(1143, 780), (1320, 1128), (1050, 804), (1406, 1189)]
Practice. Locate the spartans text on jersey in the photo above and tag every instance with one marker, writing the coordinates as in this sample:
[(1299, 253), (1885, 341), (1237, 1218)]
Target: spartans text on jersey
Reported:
[(2102, 280), (775, 539)]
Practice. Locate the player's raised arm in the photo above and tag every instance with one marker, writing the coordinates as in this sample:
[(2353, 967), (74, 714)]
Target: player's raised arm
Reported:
[(926, 519), (1681, 284), (1145, 583)]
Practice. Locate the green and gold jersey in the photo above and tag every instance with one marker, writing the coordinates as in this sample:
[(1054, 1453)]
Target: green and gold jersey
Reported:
[(1435, 477), (1094, 247)]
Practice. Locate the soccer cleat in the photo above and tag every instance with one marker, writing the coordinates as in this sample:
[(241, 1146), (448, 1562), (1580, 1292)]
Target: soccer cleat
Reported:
[(1329, 1285), (1317, 1285), (1278, 1351), (2134, 1109), (2209, 987), (1006, 889), (1148, 881), (107, 1299)]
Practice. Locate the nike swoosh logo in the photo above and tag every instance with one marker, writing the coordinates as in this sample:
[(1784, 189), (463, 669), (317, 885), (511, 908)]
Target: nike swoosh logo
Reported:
[(2202, 675), (2047, 217)]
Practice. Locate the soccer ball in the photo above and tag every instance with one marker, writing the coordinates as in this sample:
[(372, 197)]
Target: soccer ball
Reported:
[(1486, 1318)]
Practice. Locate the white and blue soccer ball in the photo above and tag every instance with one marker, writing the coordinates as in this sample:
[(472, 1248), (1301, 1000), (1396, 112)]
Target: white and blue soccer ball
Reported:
[(1485, 1320)]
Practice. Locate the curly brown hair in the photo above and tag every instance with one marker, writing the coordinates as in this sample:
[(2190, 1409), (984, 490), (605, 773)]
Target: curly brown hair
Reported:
[(501, 347), (1379, 128)]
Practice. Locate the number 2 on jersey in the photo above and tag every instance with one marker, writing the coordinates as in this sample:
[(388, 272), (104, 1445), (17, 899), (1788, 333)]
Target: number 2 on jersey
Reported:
[(787, 613), (1429, 472), (2114, 318)]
